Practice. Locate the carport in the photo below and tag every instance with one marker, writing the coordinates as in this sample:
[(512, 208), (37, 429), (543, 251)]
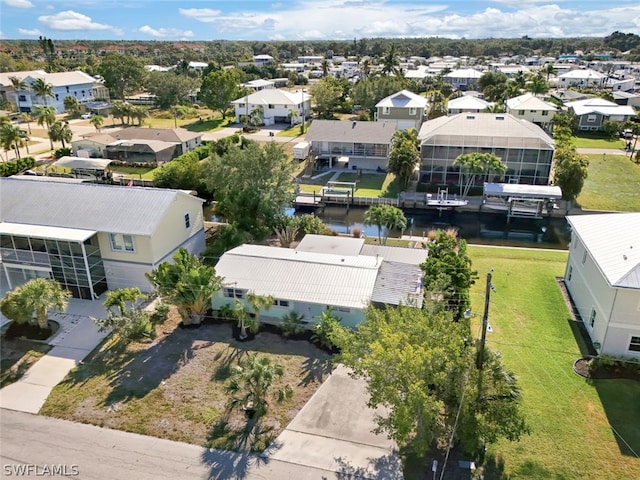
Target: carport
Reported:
[(95, 167)]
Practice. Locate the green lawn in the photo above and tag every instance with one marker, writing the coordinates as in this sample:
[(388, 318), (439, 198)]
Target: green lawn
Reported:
[(135, 172), (571, 419), (293, 131), (613, 184), (589, 141), (372, 184)]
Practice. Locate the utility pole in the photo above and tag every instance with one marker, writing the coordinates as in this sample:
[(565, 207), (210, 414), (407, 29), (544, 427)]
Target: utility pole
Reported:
[(485, 321)]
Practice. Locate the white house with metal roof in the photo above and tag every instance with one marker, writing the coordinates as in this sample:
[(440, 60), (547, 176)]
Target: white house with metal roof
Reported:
[(532, 108), (323, 272), (603, 278), (467, 104), (405, 108), (92, 237), (463, 79), (586, 78), (593, 112), (276, 106)]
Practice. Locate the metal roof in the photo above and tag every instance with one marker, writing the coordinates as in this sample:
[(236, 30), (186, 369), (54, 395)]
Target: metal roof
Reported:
[(580, 74), (273, 96), (522, 190), (398, 283), (162, 134), (468, 102), (410, 256), (529, 101), (613, 241), (325, 279), (601, 106), (81, 162), (464, 73), (50, 233), (330, 244), (357, 132), (104, 208), (500, 130)]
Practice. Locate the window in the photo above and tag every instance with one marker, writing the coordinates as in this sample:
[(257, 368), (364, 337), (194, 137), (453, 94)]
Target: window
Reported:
[(233, 293), (412, 111), (591, 118), (121, 242), (634, 344), (271, 106), (187, 221), (520, 112), (281, 303), (545, 113), (386, 110), (341, 309), (584, 257), (570, 273), (592, 317)]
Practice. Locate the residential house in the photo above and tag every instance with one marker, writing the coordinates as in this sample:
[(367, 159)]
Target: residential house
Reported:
[(532, 108), (593, 112), (366, 145), (626, 98), (262, 60), (582, 79), (405, 108), (275, 105), (603, 278), (90, 237), (525, 148), (467, 104), (259, 84), (323, 272), (138, 145), (463, 79), (76, 84)]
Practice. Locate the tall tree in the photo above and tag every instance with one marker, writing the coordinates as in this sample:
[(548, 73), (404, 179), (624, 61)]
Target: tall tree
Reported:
[(26, 118), (123, 74), (537, 85), (11, 137), (252, 184), (219, 88), (448, 273), (493, 85), (386, 218), (97, 121), (404, 156), (60, 132), (570, 171), (71, 105), (170, 88), (391, 61), (549, 69), (42, 89), (326, 96), (474, 165), (188, 284), (419, 367), (45, 116), (36, 298), (19, 85), (49, 51)]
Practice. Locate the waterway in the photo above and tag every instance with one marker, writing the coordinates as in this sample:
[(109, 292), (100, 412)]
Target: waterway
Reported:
[(474, 227)]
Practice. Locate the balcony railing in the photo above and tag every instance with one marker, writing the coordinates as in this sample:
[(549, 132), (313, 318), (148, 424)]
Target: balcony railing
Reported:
[(9, 255)]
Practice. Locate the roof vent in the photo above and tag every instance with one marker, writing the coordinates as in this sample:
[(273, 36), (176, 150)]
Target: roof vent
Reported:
[(353, 125), (500, 117), (471, 117), (624, 256)]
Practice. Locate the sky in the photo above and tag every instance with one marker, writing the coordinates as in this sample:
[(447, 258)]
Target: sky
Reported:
[(313, 19)]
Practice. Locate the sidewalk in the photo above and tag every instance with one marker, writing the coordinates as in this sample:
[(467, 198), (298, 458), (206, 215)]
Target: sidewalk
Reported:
[(75, 339)]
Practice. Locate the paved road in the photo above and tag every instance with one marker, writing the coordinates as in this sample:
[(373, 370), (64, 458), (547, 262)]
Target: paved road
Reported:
[(101, 454)]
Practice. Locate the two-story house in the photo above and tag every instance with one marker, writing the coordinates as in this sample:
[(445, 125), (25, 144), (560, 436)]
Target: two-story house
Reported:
[(274, 106), (531, 108), (593, 112), (405, 108)]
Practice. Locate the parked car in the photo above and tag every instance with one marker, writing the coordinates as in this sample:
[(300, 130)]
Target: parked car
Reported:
[(86, 116)]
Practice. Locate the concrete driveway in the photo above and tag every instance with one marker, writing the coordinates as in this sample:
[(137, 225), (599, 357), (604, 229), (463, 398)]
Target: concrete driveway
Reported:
[(333, 432)]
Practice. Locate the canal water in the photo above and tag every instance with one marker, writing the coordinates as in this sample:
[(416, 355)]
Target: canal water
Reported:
[(474, 227)]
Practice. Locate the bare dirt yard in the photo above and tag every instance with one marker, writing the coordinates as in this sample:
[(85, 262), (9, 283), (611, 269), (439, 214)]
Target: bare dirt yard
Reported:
[(173, 387)]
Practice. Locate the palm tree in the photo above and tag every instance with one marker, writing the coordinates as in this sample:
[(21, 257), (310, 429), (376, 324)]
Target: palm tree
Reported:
[(36, 297), (252, 383), (188, 284), (119, 110), (45, 116), (11, 137), (25, 117), (537, 84), (139, 113), (404, 156), (19, 85), (293, 115), (385, 216), (366, 68), (390, 61), (257, 113), (324, 66), (119, 298), (549, 69), (97, 121), (71, 104), (42, 89), (61, 132)]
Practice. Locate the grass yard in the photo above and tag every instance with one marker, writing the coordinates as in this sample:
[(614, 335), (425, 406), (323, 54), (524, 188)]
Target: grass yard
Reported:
[(613, 184), (372, 184), (293, 131), (590, 141), (173, 388), (146, 173), (17, 356), (572, 420)]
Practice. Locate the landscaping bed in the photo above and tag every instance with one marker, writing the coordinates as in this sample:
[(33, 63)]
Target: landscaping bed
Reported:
[(174, 386), (17, 355)]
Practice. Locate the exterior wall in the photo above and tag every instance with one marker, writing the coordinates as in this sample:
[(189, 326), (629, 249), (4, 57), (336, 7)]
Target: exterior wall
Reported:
[(172, 232), (580, 82), (401, 116), (272, 111), (365, 153), (455, 111), (534, 116), (83, 92), (125, 275), (589, 290), (141, 245), (624, 323), (585, 124), (96, 149)]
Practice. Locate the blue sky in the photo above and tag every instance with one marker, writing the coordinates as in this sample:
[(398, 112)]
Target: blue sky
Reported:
[(313, 19)]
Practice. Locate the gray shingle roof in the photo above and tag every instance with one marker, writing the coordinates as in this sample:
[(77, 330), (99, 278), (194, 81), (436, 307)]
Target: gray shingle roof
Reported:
[(163, 134), (359, 132), (104, 208)]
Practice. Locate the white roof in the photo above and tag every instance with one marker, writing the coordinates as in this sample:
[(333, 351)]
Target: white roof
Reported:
[(259, 83), (613, 241), (601, 106), (464, 73), (321, 278), (41, 231), (468, 102), (529, 101), (403, 99), (271, 96), (57, 79), (523, 190), (330, 244), (81, 162), (587, 74)]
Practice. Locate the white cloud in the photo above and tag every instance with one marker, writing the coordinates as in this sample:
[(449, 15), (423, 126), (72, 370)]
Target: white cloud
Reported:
[(33, 32), (166, 32), (74, 21), (18, 3)]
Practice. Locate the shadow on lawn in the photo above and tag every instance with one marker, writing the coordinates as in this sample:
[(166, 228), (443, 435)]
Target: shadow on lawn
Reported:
[(618, 399)]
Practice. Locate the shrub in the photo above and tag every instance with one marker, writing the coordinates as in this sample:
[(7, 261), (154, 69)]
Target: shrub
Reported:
[(356, 232), (292, 324), (11, 168), (135, 324), (327, 329), (161, 313), (62, 152)]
